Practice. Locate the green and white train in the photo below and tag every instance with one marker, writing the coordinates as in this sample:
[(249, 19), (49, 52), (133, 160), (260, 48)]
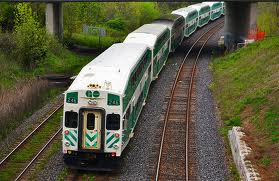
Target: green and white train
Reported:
[(102, 105)]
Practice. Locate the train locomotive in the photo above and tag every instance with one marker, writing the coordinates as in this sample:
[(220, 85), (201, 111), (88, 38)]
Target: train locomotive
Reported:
[(102, 105)]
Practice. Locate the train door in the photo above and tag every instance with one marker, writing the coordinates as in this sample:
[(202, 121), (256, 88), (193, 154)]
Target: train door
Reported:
[(91, 131)]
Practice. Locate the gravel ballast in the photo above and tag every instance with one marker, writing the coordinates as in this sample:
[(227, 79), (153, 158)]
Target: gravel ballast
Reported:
[(210, 147)]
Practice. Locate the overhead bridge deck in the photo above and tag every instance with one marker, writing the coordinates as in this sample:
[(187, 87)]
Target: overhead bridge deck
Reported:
[(50, 1)]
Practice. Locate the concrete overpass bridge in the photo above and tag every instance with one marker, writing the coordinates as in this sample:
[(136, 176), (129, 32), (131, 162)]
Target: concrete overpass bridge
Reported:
[(240, 16)]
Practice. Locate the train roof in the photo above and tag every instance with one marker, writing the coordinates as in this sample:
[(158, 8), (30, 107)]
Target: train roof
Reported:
[(154, 29), (146, 34), (169, 17), (199, 6), (184, 11), (168, 20), (212, 3), (114, 65)]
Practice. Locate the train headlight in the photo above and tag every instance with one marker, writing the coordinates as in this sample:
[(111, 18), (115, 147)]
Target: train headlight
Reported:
[(115, 146), (67, 144), (92, 102), (116, 135)]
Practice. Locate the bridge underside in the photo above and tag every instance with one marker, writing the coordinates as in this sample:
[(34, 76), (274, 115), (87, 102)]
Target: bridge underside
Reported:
[(54, 19), (48, 1), (239, 20)]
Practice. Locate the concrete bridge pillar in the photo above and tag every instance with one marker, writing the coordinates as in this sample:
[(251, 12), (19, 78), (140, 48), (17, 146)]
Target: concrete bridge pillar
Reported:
[(240, 18), (54, 19)]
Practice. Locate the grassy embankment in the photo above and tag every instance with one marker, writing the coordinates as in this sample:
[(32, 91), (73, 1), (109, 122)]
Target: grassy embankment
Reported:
[(22, 94), (246, 88), (93, 41), (63, 62)]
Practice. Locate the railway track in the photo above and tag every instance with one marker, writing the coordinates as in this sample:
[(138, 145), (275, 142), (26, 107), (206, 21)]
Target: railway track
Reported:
[(173, 161), (21, 166)]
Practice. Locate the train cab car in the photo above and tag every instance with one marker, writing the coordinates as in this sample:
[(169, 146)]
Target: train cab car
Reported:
[(215, 9), (176, 25), (102, 105), (191, 19), (157, 38), (204, 13)]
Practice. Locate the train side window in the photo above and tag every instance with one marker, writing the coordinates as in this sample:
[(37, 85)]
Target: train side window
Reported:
[(113, 122), (71, 119), (90, 121)]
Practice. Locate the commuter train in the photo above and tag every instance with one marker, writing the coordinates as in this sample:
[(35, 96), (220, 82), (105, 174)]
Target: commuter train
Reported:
[(102, 105)]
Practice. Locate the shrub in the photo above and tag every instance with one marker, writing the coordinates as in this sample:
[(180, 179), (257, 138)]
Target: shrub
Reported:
[(32, 40), (7, 43), (17, 102), (116, 24), (55, 46)]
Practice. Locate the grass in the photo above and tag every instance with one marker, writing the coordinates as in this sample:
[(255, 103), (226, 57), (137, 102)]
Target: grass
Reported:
[(9, 72), (93, 41), (64, 62), (14, 165), (17, 91), (246, 88), (63, 174), (24, 110), (85, 176), (59, 61), (265, 161), (55, 147)]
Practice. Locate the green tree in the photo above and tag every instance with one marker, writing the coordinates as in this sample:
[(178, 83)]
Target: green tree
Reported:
[(268, 19), (31, 38), (148, 12), (7, 17), (72, 23)]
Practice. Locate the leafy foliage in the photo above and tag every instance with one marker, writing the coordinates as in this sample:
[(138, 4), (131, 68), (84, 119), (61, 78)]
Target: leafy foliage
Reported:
[(117, 24), (7, 17), (7, 43), (117, 18), (32, 40), (268, 19)]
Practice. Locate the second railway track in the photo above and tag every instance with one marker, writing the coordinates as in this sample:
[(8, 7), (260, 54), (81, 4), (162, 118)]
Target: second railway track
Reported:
[(173, 161), (18, 161)]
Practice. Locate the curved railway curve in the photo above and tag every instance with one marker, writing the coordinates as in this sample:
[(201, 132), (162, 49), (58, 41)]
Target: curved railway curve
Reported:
[(150, 176), (173, 159)]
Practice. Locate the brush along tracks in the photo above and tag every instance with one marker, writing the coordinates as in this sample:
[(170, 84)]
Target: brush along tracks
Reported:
[(79, 175), (174, 160), (28, 151)]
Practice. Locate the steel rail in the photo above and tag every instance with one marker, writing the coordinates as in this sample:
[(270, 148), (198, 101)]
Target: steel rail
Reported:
[(38, 154), (188, 114), (31, 134), (171, 99)]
